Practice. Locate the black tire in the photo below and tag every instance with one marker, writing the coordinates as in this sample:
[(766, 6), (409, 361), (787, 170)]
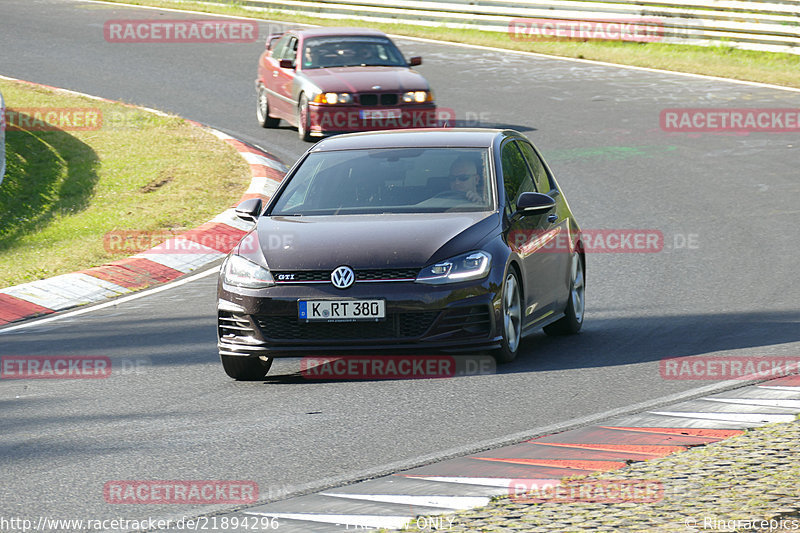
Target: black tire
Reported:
[(262, 110), (576, 302), (512, 319), (303, 124), (243, 368)]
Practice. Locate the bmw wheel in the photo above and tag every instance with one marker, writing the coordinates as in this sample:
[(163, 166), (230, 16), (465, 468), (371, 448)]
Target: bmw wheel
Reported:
[(512, 319), (262, 110), (245, 368), (573, 315), (303, 124)]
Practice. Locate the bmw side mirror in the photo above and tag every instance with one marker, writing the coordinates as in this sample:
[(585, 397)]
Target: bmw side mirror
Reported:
[(271, 38), (414, 61), (249, 210), (286, 63), (534, 203)]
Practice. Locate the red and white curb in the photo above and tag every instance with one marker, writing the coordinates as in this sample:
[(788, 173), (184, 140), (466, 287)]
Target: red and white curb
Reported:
[(165, 262), (425, 498)]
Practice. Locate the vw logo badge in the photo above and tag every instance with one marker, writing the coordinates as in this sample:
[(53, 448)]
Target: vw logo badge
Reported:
[(342, 277)]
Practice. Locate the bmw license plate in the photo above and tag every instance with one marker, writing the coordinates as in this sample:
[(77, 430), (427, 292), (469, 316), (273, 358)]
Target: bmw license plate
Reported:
[(381, 114), (341, 310)]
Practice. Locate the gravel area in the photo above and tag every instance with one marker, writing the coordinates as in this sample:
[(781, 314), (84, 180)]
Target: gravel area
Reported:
[(727, 486)]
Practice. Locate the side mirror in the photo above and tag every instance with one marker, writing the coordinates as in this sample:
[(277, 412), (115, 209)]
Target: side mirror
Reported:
[(414, 61), (286, 63), (249, 210), (534, 203), (271, 38)]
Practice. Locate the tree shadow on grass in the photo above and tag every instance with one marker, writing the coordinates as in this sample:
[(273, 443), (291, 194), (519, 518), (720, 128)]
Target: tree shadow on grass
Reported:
[(48, 173)]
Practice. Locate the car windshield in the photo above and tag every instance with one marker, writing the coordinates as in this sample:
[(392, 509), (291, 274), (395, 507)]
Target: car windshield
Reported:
[(338, 51), (391, 180)]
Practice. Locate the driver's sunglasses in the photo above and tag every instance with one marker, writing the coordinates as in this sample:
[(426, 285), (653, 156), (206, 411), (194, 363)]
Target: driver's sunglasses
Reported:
[(462, 177)]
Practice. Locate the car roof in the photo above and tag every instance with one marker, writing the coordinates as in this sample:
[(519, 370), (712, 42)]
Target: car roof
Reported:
[(333, 32), (432, 137)]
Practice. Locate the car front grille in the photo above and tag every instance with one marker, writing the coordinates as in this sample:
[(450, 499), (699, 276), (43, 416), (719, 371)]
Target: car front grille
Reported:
[(370, 274), (396, 326), (383, 99)]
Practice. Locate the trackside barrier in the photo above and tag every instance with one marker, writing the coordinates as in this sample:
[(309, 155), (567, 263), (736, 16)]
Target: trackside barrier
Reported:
[(772, 26)]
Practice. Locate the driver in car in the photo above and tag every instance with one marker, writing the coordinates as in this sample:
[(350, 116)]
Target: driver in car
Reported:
[(464, 178)]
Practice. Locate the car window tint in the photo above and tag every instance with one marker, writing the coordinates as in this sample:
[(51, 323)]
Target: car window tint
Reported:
[(280, 45), (349, 51), (394, 180), (516, 175), (290, 50), (536, 165)]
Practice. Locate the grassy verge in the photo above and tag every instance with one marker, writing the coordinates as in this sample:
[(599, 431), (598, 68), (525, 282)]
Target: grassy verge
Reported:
[(65, 189), (724, 61)]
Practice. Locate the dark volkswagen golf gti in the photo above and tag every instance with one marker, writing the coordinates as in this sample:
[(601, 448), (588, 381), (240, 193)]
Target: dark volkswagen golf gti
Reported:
[(425, 241)]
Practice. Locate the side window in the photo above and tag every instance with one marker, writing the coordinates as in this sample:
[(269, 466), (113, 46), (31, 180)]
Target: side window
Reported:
[(516, 175), (539, 173), (280, 45), (290, 52)]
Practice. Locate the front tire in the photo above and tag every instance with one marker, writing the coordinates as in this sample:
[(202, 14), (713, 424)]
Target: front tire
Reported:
[(303, 119), (512, 319), (573, 315), (245, 368), (262, 110)]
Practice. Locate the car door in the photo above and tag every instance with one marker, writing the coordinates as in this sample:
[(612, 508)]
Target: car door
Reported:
[(279, 80), (556, 223), (525, 234)]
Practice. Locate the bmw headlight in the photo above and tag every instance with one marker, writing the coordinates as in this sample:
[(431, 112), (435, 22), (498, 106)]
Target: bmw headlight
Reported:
[(334, 98), (244, 273), (465, 267), (417, 97)]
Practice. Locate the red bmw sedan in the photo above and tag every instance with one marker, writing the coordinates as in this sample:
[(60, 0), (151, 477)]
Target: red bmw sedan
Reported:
[(335, 80)]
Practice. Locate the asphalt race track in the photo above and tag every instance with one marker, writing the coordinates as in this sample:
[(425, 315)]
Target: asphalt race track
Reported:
[(727, 205)]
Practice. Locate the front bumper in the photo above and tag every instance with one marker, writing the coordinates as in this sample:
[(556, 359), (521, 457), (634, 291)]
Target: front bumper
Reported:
[(420, 319), (325, 119)]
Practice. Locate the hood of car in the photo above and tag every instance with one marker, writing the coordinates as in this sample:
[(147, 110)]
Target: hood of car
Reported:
[(364, 79), (369, 241)]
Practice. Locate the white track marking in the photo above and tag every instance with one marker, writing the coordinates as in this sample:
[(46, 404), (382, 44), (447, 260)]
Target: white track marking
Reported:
[(445, 502), (367, 521), (738, 418), (38, 322)]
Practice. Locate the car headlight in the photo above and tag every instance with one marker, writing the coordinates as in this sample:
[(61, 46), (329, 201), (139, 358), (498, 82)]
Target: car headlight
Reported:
[(418, 97), (465, 267), (333, 98), (244, 273)]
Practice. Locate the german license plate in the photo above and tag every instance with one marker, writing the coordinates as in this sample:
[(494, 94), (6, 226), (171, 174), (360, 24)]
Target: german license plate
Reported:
[(340, 310), (381, 114)]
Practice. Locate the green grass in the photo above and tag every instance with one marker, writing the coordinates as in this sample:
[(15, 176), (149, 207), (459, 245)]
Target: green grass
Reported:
[(724, 61), (65, 189)]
